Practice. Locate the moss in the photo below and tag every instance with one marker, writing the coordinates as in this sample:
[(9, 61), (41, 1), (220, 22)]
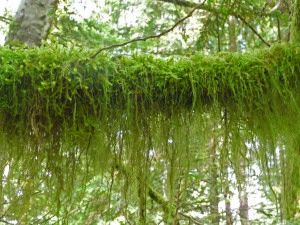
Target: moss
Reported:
[(56, 85), (66, 119), (295, 23), (17, 44)]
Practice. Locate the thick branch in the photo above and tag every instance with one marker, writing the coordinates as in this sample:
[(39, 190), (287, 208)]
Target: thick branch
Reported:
[(152, 36)]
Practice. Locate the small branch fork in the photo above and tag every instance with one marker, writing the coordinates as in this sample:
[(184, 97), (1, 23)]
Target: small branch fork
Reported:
[(152, 36)]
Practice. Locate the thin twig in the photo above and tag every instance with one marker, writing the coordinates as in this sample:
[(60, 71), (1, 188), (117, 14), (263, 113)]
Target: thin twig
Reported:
[(252, 28), (190, 218), (278, 28), (5, 19), (181, 3), (278, 4), (266, 5), (152, 36), (6, 222)]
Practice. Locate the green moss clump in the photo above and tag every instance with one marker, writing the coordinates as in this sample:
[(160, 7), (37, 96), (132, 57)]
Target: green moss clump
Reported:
[(53, 85), (72, 123)]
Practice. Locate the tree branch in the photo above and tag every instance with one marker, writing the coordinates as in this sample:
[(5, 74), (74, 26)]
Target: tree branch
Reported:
[(224, 11), (278, 4), (184, 3), (266, 5), (158, 198), (155, 196), (5, 19), (217, 11), (254, 31), (275, 8), (4, 221), (190, 218), (152, 36)]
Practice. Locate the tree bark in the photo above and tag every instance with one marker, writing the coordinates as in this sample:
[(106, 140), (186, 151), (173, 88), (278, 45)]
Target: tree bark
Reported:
[(232, 36), (214, 193), (243, 195), (32, 22), (228, 212), (295, 23)]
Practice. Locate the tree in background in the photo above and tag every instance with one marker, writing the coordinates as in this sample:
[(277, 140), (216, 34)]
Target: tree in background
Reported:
[(149, 172), (32, 22), (256, 24)]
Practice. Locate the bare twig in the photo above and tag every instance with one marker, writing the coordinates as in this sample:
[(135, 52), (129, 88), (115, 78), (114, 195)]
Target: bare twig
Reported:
[(254, 31), (152, 36)]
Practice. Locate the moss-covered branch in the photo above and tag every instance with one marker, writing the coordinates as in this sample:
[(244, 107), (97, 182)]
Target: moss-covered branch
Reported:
[(53, 85), (64, 115)]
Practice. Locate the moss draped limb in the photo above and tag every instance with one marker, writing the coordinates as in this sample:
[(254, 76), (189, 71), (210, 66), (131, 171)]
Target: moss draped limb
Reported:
[(43, 86), (69, 122)]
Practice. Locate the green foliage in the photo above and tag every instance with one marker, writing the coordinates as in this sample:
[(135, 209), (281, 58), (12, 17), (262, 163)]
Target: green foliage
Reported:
[(96, 133), (146, 140), (58, 85)]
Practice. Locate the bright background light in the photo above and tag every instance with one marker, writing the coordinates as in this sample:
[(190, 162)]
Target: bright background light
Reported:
[(10, 6)]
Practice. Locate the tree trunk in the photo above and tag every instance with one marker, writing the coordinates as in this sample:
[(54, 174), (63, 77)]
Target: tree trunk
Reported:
[(214, 198), (232, 36), (290, 172), (295, 22), (243, 196), (227, 195), (32, 22)]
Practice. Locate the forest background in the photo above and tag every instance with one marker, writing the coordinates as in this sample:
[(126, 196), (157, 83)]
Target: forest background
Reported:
[(198, 124)]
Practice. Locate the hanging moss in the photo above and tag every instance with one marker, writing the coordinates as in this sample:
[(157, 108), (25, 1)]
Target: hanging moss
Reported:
[(41, 87), (128, 127)]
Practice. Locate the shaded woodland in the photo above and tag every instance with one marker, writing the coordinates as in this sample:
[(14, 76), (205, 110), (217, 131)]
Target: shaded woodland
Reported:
[(150, 112)]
